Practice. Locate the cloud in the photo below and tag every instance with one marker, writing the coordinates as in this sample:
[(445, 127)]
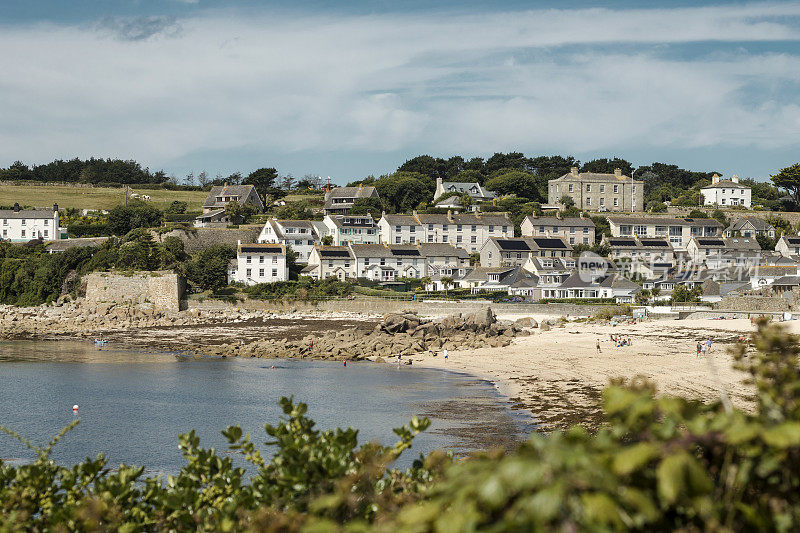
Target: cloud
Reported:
[(543, 80), (138, 28)]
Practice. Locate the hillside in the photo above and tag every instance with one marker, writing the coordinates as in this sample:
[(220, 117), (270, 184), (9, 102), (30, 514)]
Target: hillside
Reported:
[(91, 198)]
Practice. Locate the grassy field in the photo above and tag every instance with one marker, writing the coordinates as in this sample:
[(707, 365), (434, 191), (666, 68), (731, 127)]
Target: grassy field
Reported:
[(92, 198)]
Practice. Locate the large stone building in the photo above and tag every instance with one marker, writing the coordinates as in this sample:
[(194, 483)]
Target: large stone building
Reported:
[(22, 225), (726, 193), (598, 192)]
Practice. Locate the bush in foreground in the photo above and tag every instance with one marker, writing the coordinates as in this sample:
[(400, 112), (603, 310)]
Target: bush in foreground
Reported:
[(659, 464)]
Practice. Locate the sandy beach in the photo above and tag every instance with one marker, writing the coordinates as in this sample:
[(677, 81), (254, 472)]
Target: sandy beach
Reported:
[(558, 375)]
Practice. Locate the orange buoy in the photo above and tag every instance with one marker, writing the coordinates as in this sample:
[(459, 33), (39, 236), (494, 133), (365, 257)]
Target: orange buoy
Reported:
[(75, 408)]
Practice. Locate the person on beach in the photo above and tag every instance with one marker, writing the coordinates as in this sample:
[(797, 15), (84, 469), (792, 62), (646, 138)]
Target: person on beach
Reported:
[(445, 354), (699, 347), (598, 347), (708, 346)]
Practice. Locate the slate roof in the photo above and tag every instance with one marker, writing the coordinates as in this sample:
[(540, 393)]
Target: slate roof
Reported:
[(663, 221), (371, 250), (262, 248), (787, 281), (239, 191), (560, 222), (334, 252), (440, 249), (401, 220), (596, 176), (464, 187), (759, 224), (66, 244), (727, 184), (353, 193), (27, 213)]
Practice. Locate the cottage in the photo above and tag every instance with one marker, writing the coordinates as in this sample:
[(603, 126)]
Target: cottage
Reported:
[(259, 263), (22, 225), (789, 246), (717, 253), (504, 252), (468, 231), (341, 199), (331, 262), (299, 235), (475, 190), (220, 196), (750, 227), (356, 229), (726, 193)]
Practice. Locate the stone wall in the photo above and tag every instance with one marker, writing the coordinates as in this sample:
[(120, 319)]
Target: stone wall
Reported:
[(753, 304), (197, 239), (161, 290)]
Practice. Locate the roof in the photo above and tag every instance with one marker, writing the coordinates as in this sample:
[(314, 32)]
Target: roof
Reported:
[(516, 245), (334, 252), (596, 176), (558, 264), (400, 220), (464, 187), (561, 222), (440, 249), (341, 221), (790, 239), (480, 273), (616, 281), (759, 224), (351, 192), (371, 250), (727, 184), (294, 223), (262, 248), (663, 221), (791, 281), (774, 270), (211, 214), (239, 191), (28, 213)]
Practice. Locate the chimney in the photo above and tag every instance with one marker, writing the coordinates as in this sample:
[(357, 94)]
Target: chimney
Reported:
[(16, 207), (715, 179), (239, 242), (618, 172), (582, 215), (438, 183), (449, 215), (55, 208), (735, 178), (225, 184), (574, 171)]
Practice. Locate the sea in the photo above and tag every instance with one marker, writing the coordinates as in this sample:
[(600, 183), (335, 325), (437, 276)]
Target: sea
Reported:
[(133, 404)]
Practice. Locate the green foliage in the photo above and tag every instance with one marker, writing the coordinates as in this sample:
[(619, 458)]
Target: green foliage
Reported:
[(656, 207), (608, 166), (303, 289), (81, 228), (176, 207), (599, 248), (404, 191), (125, 218), (296, 211), (567, 201), (516, 182), (766, 242), (363, 206), (95, 171), (696, 213), (208, 269), (265, 181), (720, 217), (327, 240), (789, 178), (683, 294)]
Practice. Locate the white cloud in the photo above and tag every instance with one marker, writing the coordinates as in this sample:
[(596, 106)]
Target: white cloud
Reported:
[(554, 80)]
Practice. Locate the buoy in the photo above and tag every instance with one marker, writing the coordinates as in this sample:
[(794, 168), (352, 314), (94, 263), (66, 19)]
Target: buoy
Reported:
[(75, 408), (345, 362)]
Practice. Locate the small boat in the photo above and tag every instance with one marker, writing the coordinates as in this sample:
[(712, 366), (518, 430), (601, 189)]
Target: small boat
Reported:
[(100, 342)]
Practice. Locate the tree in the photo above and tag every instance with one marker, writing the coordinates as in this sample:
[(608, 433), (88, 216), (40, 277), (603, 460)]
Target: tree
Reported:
[(291, 262), (682, 294), (176, 207), (567, 201), (362, 206), (720, 217), (515, 182), (657, 207), (239, 213), (789, 178), (642, 297), (202, 178), (123, 219), (607, 166), (263, 180), (766, 242), (209, 268), (446, 281), (288, 182), (404, 191), (327, 240), (696, 213), (424, 281)]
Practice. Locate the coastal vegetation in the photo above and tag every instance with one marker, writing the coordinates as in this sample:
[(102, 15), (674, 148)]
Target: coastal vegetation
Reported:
[(658, 463)]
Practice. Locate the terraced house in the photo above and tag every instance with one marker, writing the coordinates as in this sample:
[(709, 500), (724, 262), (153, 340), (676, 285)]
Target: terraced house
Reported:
[(341, 199), (679, 231), (330, 262), (356, 229), (717, 253), (597, 191), (468, 231), (259, 263), (789, 246), (300, 235), (514, 252), (574, 230)]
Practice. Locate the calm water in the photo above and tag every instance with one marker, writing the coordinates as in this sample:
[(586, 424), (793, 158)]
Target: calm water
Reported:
[(133, 405)]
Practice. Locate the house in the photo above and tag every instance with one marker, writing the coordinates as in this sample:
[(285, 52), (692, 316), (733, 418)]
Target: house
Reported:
[(220, 196), (765, 275), (487, 278), (678, 231), (22, 225), (400, 229), (715, 291), (381, 262), (356, 229), (788, 246), (469, 231), (644, 249), (550, 271), (259, 263), (299, 235), (476, 191), (341, 199), (581, 286), (784, 286), (726, 193), (594, 191), (717, 253), (750, 227), (503, 252), (574, 230), (331, 262)]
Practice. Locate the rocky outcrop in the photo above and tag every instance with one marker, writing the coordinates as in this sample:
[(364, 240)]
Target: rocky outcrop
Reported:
[(396, 334)]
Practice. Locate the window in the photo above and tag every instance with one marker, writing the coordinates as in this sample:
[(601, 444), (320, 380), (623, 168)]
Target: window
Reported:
[(586, 240), (412, 239), (45, 233), (572, 229), (661, 230), (430, 227), (616, 202), (602, 201), (274, 259), (248, 272), (261, 259), (330, 264), (274, 272), (541, 229), (602, 188), (640, 230), (588, 201), (5, 233), (23, 221), (249, 259), (505, 229), (383, 261), (261, 272), (366, 261), (412, 229), (5, 222), (625, 230), (444, 238), (616, 189), (473, 239), (491, 228), (586, 230), (444, 227), (458, 227), (588, 187), (570, 187), (474, 229), (398, 228), (572, 240), (458, 238), (397, 240), (430, 238)]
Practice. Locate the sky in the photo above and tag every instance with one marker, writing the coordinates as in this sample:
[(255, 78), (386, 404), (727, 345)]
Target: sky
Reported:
[(349, 89)]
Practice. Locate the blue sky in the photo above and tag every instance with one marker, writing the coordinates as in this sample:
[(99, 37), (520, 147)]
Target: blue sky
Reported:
[(351, 89)]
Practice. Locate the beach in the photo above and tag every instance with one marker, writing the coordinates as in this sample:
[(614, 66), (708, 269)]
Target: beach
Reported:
[(558, 375)]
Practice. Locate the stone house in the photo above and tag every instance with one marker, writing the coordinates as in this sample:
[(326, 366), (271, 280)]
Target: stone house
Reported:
[(726, 193), (220, 196), (475, 190), (259, 263), (331, 262), (788, 246), (750, 227), (574, 230), (341, 199), (717, 253), (598, 192), (22, 225)]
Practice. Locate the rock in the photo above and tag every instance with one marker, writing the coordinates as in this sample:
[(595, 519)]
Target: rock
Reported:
[(545, 326)]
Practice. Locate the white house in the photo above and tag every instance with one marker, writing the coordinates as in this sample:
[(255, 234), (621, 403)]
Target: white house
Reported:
[(726, 193), (22, 225), (300, 235), (678, 231), (475, 190), (574, 230), (356, 229), (750, 227), (341, 199), (716, 253), (331, 262), (468, 231), (259, 263), (511, 252)]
